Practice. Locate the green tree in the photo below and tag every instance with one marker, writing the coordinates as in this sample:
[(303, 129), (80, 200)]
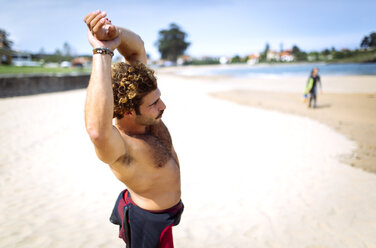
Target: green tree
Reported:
[(325, 54), (295, 50), (67, 50), (5, 48), (372, 40), (236, 59), (338, 55), (245, 59), (56, 57), (298, 54), (4, 41), (369, 41), (265, 52), (313, 56), (171, 42), (365, 42)]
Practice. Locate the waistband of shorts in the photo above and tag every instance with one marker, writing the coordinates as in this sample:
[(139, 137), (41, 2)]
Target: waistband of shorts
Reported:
[(174, 209)]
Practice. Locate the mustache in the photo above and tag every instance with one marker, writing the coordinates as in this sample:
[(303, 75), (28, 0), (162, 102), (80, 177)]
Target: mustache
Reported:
[(160, 114)]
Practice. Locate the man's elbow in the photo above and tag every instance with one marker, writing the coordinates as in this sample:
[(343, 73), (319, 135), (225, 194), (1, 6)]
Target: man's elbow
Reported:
[(96, 135)]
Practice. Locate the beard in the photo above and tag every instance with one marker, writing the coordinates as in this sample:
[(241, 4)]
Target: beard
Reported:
[(148, 121)]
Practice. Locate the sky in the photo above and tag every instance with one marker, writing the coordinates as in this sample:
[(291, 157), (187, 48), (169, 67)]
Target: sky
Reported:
[(214, 28)]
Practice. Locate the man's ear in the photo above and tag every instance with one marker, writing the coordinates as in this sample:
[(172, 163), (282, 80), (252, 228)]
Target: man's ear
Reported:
[(131, 113)]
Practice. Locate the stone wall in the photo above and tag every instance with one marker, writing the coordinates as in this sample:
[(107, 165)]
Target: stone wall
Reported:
[(21, 85)]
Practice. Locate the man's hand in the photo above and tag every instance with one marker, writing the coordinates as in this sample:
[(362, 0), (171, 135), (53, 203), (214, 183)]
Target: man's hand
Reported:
[(111, 44), (101, 32), (100, 27)]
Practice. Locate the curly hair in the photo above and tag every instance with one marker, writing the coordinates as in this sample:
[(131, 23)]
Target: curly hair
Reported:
[(130, 83)]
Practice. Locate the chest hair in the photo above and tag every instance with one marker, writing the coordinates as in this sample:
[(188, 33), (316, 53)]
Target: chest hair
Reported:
[(159, 141)]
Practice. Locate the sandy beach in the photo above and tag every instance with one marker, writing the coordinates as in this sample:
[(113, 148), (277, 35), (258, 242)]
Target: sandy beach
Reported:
[(251, 176), (351, 114)]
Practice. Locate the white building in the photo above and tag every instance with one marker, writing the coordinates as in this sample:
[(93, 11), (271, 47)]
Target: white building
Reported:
[(23, 59), (253, 59), (224, 60), (286, 56), (272, 55)]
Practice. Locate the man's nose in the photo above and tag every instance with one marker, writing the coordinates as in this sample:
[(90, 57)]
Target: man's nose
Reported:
[(162, 105)]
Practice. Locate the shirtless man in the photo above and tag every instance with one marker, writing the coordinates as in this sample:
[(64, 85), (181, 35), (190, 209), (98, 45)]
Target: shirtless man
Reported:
[(137, 146)]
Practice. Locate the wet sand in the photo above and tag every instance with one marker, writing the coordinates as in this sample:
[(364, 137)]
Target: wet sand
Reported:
[(353, 115)]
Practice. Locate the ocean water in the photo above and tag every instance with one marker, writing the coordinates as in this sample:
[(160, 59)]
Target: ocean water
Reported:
[(282, 70)]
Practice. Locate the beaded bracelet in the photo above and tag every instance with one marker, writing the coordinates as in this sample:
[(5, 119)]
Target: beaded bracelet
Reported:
[(103, 50)]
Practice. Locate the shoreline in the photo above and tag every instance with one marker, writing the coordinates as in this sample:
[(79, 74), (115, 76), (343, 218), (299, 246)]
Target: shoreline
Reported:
[(254, 70)]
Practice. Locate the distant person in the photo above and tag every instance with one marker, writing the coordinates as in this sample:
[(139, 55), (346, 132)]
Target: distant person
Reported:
[(311, 88), (137, 145)]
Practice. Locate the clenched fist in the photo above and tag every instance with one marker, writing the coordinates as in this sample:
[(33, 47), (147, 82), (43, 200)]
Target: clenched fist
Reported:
[(100, 26)]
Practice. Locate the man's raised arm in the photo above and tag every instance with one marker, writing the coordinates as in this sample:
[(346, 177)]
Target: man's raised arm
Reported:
[(131, 46), (99, 106)]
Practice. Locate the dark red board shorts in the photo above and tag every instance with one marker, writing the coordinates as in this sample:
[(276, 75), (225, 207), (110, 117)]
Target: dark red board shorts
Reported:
[(140, 228)]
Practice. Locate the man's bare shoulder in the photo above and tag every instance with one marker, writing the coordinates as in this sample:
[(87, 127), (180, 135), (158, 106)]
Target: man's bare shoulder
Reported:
[(131, 142)]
